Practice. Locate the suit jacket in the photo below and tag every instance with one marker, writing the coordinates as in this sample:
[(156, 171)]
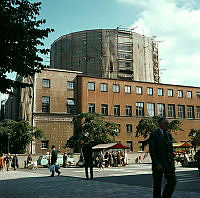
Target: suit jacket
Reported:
[(161, 150)]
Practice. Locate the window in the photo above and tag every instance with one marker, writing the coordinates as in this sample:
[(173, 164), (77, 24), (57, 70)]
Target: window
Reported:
[(104, 109), (45, 104), (130, 145), (46, 83), (128, 110), (140, 146), (198, 111), (139, 109), (129, 128), (70, 106), (190, 111), (161, 110), (45, 144), (91, 108), (138, 90), (104, 87), (127, 89), (116, 88), (180, 94), (150, 109), (160, 92), (171, 110), (70, 85), (116, 110), (198, 95), (189, 94), (170, 92), (91, 86), (181, 111), (150, 91)]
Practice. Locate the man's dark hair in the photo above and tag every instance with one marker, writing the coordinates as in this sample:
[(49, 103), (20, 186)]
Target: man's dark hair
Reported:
[(161, 119), (53, 147)]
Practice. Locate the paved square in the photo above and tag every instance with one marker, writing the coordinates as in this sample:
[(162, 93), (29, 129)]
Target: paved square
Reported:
[(130, 181)]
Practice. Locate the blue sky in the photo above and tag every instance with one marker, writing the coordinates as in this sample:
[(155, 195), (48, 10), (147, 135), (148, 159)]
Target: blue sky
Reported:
[(67, 16), (174, 22)]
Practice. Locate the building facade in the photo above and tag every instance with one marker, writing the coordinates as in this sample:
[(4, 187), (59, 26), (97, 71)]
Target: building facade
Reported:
[(58, 95), (126, 102), (107, 53), (50, 106)]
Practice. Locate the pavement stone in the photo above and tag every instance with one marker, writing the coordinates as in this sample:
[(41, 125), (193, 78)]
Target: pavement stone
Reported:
[(23, 184)]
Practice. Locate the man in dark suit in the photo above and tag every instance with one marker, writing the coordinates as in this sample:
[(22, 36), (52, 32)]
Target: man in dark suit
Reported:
[(161, 151), (87, 155)]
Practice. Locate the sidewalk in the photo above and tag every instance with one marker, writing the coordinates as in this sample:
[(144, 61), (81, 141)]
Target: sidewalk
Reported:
[(22, 184)]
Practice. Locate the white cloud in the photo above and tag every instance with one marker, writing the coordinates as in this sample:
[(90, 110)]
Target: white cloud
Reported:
[(177, 23)]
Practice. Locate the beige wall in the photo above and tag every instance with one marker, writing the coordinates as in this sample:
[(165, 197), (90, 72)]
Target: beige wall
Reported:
[(57, 124)]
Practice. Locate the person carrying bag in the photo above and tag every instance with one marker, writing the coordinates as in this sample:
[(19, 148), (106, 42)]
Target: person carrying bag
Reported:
[(54, 167)]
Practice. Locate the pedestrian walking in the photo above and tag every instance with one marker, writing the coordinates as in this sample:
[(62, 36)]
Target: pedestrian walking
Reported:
[(197, 158), (14, 163), (54, 167), (87, 155), (126, 158), (100, 161), (64, 160), (110, 159), (106, 158), (8, 160), (161, 151), (118, 159), (29, 160), (2, 162)]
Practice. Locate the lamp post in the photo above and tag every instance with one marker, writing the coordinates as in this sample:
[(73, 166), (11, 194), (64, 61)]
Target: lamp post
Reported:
[(8, 142)]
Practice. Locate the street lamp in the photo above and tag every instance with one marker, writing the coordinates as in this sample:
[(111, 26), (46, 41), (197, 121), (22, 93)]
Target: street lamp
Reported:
[(8, 142)]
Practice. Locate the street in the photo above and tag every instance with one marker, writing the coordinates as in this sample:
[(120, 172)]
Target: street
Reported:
[(129, 181)]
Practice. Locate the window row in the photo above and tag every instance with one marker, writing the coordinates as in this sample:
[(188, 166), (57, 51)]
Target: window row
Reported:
[(46, 105), (150, 110), (47, 84), (139, 90)]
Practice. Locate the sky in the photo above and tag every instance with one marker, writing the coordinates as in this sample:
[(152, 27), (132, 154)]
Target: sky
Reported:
[(175, 23)]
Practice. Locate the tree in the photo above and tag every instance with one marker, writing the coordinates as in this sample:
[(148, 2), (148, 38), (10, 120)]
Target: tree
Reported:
[(147, 125), (195, 137), (21, 42), (93, 128), (19, 134)]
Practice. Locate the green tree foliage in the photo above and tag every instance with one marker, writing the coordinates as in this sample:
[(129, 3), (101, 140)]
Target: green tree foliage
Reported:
[(21, 44), (93, 128), (195, 137), (20, 133), (147, 125)]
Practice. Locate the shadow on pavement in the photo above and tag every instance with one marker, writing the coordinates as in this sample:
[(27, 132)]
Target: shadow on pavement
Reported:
[(107, 187), (187, 180)]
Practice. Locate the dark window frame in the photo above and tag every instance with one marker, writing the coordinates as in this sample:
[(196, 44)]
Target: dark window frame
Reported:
[(91, 88), (44, 84), (46, 105)]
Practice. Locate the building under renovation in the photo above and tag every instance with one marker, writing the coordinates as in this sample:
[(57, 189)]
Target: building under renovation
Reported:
[(107, 53)]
